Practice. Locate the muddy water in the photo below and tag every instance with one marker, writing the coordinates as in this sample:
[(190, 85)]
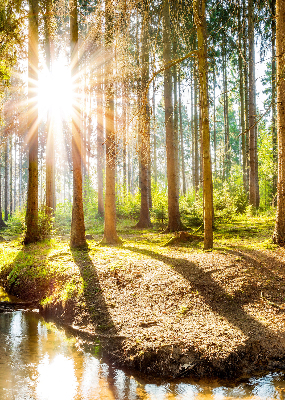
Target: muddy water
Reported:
[(39, 361)]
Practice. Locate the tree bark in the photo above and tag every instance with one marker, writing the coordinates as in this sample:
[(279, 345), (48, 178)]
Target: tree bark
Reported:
[(200, 22), (154, 134), (241, 92), (33, 57), (100, 145), (226, 111), (50, 173), (174, 222), (6, 180), (2, 223), (196, 139), (279, 231), (214, 121), (124, 122), (110, 232), (253, 162), (11, 176), (246, 92), (77, 235), (274, 131), (181, 138), (144, 220)]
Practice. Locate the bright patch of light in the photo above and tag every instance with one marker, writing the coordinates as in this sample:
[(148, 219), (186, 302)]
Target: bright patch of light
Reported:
[(57, 380), (55, 90)]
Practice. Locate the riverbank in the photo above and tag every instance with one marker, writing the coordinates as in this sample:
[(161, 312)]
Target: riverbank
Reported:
[(163, 310)]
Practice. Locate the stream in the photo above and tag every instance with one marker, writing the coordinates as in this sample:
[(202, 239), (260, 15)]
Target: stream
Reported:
[(41, 361)]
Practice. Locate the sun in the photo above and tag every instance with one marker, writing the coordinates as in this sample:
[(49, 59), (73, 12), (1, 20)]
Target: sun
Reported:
[(55, 91)]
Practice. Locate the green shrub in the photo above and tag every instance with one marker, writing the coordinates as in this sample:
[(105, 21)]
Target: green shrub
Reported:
[(191, 208), (16, 223), (159, 204), (62, 220), (45, 222), (128, 205)]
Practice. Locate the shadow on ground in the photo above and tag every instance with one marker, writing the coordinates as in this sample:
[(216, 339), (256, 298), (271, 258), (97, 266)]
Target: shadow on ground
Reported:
[(262, 347)]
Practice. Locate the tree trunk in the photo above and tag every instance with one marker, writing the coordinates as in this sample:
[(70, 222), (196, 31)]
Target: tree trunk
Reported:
[(77, 235), (274, 131), (196, 139), (253, 162), (200, 22), (154, 133), (6, 180), (100, 145), (246, 91), (226, 111), (124, 122), (214, 121), (181, 138), (279, 231), (15, 175), (241, 93), (20, 171), (50, 178), (33, 57), (110, 232), (11, 176), (2, 223), (174, 222), (176, 106), (144, 221)]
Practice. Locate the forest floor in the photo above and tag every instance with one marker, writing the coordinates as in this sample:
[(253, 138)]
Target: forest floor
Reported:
[(171, 310)]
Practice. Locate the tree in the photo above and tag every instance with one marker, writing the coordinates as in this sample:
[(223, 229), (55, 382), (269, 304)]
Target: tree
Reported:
[(144, 221), (242, 100), (33, 60), (273, 89), (200, 22), (50, 173), (110, 232), (174, 221), (253, 161), (6, 176), (100, 144), (77, 236), (2, 223), (279, 231)]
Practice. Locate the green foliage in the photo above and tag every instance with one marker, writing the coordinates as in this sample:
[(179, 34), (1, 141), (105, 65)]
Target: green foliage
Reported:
[(265, 165), (128, 205), (62, 221), (93, 221), (10, 36), (191, 208), (159, 203), (45, 223), (16, 223)]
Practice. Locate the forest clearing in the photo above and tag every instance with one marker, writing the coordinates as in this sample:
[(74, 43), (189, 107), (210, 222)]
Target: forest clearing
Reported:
[(142, 181), (166, 310)]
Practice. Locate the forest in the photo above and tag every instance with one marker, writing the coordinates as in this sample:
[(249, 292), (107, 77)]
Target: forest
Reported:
[(142, 166)]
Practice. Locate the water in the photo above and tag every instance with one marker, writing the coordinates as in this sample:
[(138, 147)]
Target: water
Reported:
[(39, 361)]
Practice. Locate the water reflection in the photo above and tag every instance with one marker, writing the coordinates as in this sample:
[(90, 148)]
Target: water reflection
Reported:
[(41, 362)]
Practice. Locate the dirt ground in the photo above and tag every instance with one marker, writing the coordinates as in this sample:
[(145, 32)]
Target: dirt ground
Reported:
[(171, 310), (178, 311)]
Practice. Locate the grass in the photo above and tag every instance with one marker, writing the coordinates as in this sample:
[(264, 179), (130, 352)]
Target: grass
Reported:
[(50, 263), (155, 295)]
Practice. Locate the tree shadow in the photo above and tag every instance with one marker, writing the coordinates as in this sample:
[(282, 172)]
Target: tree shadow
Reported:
[(100, 318), (258, 337), (269, 268), (98, 312)]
